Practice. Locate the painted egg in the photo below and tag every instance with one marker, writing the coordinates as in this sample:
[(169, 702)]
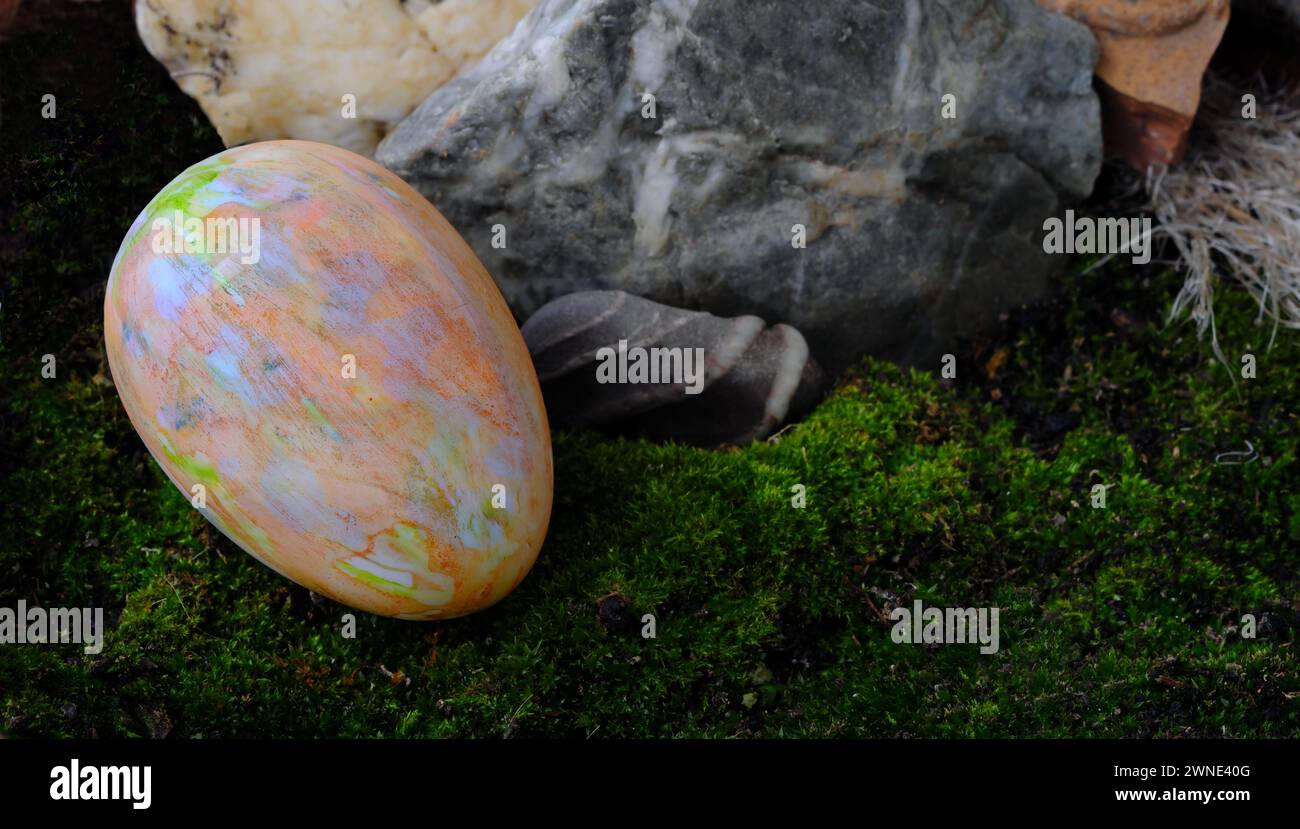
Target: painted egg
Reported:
[(320, 363)]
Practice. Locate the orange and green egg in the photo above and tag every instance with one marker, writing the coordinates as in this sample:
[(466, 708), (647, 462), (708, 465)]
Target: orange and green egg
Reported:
[(319, 361)]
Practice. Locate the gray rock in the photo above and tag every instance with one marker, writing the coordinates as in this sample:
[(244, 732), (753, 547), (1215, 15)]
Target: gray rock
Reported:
[(751, 378), (776, 382), (770, 114)]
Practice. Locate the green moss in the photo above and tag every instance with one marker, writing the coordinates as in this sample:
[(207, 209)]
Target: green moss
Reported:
[(1114, 622)]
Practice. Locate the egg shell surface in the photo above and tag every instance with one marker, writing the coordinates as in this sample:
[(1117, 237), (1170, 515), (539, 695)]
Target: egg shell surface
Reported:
[(321, 364)]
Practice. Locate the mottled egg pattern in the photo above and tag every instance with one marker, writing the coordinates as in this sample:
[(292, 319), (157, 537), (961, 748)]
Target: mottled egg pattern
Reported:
[(382, 490)]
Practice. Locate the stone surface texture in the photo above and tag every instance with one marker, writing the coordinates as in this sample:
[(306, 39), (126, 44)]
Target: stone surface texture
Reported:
[(768, 115), (266, 70), (754, 378)]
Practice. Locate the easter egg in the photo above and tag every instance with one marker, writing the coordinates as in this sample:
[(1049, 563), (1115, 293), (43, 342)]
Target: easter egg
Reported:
[(319, 362)]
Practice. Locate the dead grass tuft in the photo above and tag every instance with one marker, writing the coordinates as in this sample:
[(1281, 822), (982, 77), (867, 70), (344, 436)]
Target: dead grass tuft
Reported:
[(1231, 209)]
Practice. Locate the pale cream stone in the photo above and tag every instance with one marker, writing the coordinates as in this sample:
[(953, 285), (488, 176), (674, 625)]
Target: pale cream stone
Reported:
[(266, 70), (463, 31)]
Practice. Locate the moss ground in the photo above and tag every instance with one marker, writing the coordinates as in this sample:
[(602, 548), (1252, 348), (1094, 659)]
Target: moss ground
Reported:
[(1122, 621)]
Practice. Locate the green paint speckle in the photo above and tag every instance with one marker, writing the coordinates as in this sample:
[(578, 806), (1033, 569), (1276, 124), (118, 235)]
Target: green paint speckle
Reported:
[(196, 469), (321, 420), (375, 581), (181, 193)]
